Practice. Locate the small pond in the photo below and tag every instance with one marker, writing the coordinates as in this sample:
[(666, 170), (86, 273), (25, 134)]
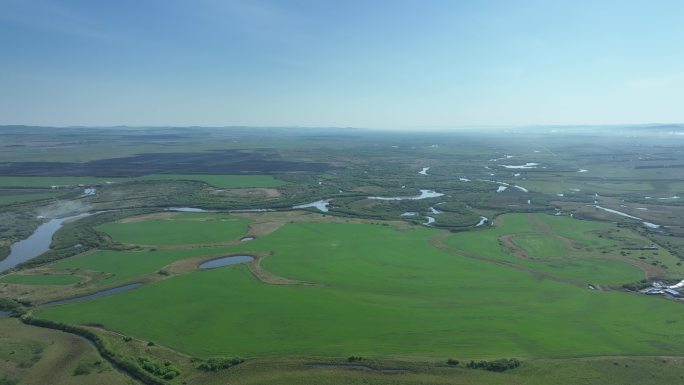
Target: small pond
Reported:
[(226, 261)]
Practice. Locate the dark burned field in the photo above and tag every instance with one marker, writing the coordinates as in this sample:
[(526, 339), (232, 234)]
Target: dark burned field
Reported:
[(211, 162)]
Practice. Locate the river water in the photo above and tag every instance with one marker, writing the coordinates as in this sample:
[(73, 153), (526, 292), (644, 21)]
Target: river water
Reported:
[(37, 243), (101, 293), (321, 205), (424, 194)]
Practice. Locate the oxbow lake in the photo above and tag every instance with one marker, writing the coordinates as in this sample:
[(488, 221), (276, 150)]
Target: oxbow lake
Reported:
[(226, 261)]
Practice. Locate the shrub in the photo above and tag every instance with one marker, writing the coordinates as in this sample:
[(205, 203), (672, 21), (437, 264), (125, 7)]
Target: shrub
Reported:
[(452, 362), (8, 381), (82, 369), (499, 365), (215, 364), (354, 358), (15, 308), (166, 370)]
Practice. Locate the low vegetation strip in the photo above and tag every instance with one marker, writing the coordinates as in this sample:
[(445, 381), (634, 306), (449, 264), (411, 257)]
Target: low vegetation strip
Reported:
[(41, 279), (126, 365), (11, 199)]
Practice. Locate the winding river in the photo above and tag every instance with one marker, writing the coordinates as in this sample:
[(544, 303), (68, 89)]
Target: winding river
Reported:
[(424, 194), (37, 243), (647, 224)]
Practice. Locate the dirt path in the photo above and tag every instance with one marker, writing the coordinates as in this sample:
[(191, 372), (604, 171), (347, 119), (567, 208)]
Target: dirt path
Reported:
[(438, 241), (516, 250), (508, 242), (267, 277)]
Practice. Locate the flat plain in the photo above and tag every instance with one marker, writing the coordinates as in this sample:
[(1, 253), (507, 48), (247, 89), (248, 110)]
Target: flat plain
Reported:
[(345, 289)]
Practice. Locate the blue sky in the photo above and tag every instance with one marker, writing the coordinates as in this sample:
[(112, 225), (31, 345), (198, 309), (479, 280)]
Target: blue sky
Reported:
[(372, 63)]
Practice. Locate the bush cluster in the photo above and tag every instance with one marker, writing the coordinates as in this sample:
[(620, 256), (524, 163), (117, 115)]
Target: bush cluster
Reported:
[(15, 308), (636, 286), (81, 370), (215, 364), (166, 370), (499, 365)]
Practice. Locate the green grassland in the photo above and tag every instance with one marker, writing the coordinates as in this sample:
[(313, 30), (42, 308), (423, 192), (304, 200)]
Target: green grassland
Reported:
[(222, 181), (122, 266), (32, 355), (540, 245), (41, 279), (538, 236), (583, 234), (184, 230), (383, 293)]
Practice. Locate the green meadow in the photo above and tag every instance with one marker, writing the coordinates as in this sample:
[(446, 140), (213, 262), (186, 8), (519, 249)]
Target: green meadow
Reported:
[(124, 266), (41, 279), (539, 236), (540, 245), (385, 293), (183, 229)]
